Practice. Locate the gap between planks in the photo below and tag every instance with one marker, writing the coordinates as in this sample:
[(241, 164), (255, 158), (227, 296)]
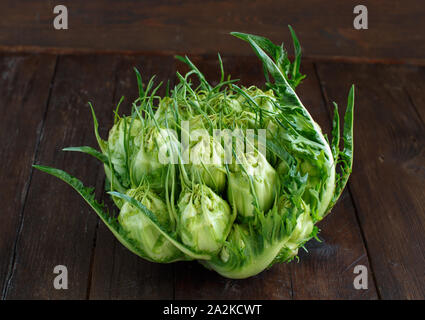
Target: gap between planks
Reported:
[(11, 270)]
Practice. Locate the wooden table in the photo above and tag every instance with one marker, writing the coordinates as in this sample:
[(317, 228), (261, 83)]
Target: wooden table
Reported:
[(379, 222)]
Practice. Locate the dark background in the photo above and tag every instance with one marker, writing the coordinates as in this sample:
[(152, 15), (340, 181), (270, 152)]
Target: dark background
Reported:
[(48, 75)]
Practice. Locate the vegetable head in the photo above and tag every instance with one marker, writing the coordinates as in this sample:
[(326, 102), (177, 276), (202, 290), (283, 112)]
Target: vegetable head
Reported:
[(154, 150), (120, 146), (237, 201), (206, 165), (204, 219), (142, 231), (252, 185)]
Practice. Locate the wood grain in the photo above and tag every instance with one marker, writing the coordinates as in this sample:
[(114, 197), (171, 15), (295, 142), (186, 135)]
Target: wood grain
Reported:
[(24, 91), (388, 178), (396, 32), (411, 79), (58, 226)]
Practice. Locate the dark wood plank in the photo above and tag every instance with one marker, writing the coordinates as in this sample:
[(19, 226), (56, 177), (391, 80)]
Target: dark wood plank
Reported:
[(58, 226), (388, 178), (118, 273), (396, 32), (411, 78), (327, 271), (24, 89), (193, 281)]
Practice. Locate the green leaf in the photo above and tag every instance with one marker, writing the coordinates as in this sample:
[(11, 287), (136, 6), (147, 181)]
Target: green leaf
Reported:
[(296, 76), (345, 160), (89, 150), (335, 134), (102, 144), (116, 115), (139, 84), (282, 87), (289, 70)]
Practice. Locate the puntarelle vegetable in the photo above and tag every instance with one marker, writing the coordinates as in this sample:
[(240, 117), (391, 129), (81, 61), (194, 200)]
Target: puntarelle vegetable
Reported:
[(185, 193)]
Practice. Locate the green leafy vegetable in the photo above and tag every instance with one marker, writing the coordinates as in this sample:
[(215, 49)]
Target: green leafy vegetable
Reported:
[(235, 177)]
